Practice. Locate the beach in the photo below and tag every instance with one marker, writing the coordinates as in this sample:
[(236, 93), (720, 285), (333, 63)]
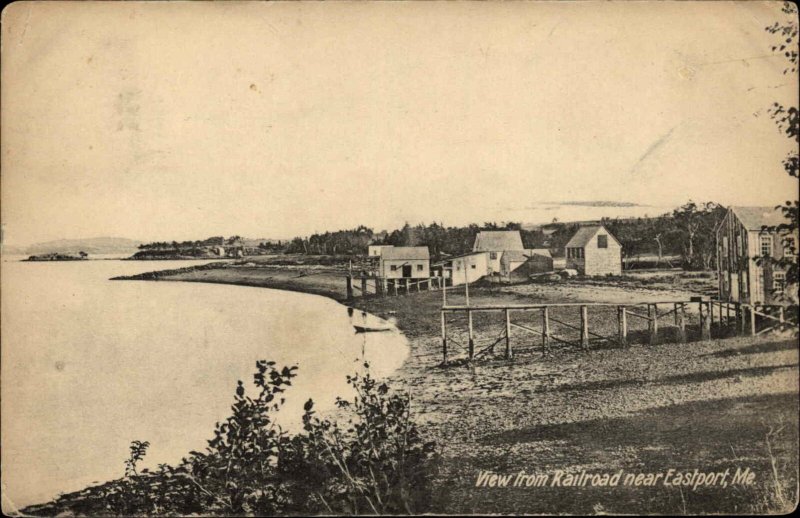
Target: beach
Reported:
[(728, 402)]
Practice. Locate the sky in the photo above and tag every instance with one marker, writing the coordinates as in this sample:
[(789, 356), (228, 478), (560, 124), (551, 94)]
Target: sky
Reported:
[(162, 121)]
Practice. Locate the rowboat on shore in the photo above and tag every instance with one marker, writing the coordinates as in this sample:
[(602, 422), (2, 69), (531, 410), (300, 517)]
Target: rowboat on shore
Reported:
[(364, 329)]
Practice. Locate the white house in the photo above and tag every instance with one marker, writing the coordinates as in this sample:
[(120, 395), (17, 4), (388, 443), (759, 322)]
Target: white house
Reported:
[(405, 262), (466, 268), (593, 250), (495, 242)]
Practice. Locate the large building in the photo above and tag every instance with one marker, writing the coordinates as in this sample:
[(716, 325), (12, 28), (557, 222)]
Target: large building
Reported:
[(741, 238), (495, 242), (405, 262), (593, 250)]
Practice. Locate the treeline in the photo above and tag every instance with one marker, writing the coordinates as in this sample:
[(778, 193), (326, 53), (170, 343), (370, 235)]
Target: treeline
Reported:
[(687, 232), (233, 241)]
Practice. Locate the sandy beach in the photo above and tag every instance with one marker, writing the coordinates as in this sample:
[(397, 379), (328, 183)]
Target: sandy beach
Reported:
[(732, 400)]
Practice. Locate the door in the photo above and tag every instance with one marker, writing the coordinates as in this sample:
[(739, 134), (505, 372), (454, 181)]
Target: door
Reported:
[(406, 270)]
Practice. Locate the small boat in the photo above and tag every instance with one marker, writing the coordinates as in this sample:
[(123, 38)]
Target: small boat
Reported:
[(363, 329)]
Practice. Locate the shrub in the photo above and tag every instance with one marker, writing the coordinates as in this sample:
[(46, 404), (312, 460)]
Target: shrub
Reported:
[(377, 463)]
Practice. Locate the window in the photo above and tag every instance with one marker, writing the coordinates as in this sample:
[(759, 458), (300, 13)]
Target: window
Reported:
[(602, 241), (575, 253), (778, 281), (474, 267), (394, 267), (789, 246), (492, 255), (766, 245), (419, 267)]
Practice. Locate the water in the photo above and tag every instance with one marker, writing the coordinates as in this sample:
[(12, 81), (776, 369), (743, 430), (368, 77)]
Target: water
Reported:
[(89, 365)]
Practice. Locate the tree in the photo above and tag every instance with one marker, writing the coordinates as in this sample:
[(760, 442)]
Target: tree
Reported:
[(694, 228), (786, 119)]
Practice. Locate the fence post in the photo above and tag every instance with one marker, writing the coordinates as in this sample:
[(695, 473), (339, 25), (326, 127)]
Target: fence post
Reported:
[(394, 285), (471, 337), (753, 321), (545, 330), (682, 322), (349, 288), (782, 317), (741, 316), (444, 339), (652, 314), (711, 313), (509, 354), (363, 286), (622, 321), (677, 324), (584, 327), (706, 321)]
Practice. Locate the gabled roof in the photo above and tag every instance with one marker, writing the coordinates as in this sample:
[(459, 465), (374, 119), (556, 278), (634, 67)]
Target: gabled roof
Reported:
[(404, 253), (585, 234), (498, 241), (753, 218), (520, 256)]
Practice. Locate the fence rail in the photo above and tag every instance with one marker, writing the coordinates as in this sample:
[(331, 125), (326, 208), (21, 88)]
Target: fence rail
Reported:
[(554, 322)]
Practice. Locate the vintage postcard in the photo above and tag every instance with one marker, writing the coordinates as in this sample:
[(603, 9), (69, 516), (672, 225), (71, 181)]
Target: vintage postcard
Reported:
[(342, 258)]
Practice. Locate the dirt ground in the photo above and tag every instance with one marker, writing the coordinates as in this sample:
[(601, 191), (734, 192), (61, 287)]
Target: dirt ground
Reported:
[(708, 405)]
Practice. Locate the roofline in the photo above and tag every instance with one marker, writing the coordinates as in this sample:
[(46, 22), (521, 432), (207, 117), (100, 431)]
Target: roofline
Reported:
[(601, 225)]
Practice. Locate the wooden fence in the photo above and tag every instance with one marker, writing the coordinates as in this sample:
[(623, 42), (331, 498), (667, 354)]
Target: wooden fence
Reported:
[(583, 324)]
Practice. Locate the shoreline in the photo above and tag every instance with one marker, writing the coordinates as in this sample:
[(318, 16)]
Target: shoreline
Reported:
[(543, 412)]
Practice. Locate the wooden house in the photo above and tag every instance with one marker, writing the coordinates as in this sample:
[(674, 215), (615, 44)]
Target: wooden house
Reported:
[(405, 262), (593, 250), (495, 242), (466, 268), (741, 238)]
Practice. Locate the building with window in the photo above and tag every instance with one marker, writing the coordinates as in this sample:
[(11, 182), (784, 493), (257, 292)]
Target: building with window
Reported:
[(405, 262), (466, 268), (593, 250), (741, 238), (496, 242)]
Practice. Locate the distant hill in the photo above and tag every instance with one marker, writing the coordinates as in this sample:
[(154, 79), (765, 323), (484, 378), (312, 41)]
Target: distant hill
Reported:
[(92, 246)]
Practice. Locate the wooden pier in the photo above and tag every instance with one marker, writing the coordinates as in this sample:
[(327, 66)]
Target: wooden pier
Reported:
[(366, 286)]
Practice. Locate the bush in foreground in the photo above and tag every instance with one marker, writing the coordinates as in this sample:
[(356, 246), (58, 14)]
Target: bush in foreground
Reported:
[(376, 463)]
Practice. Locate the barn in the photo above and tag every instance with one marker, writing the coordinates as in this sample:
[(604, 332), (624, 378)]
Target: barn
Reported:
[(593, 250), (740, 239), (405, 262)]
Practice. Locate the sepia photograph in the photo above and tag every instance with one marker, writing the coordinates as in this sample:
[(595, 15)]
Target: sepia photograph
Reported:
[(286, 258)]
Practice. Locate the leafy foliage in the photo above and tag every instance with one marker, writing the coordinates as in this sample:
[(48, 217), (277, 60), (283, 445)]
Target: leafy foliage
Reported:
[(378, 463), (786, 119)]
